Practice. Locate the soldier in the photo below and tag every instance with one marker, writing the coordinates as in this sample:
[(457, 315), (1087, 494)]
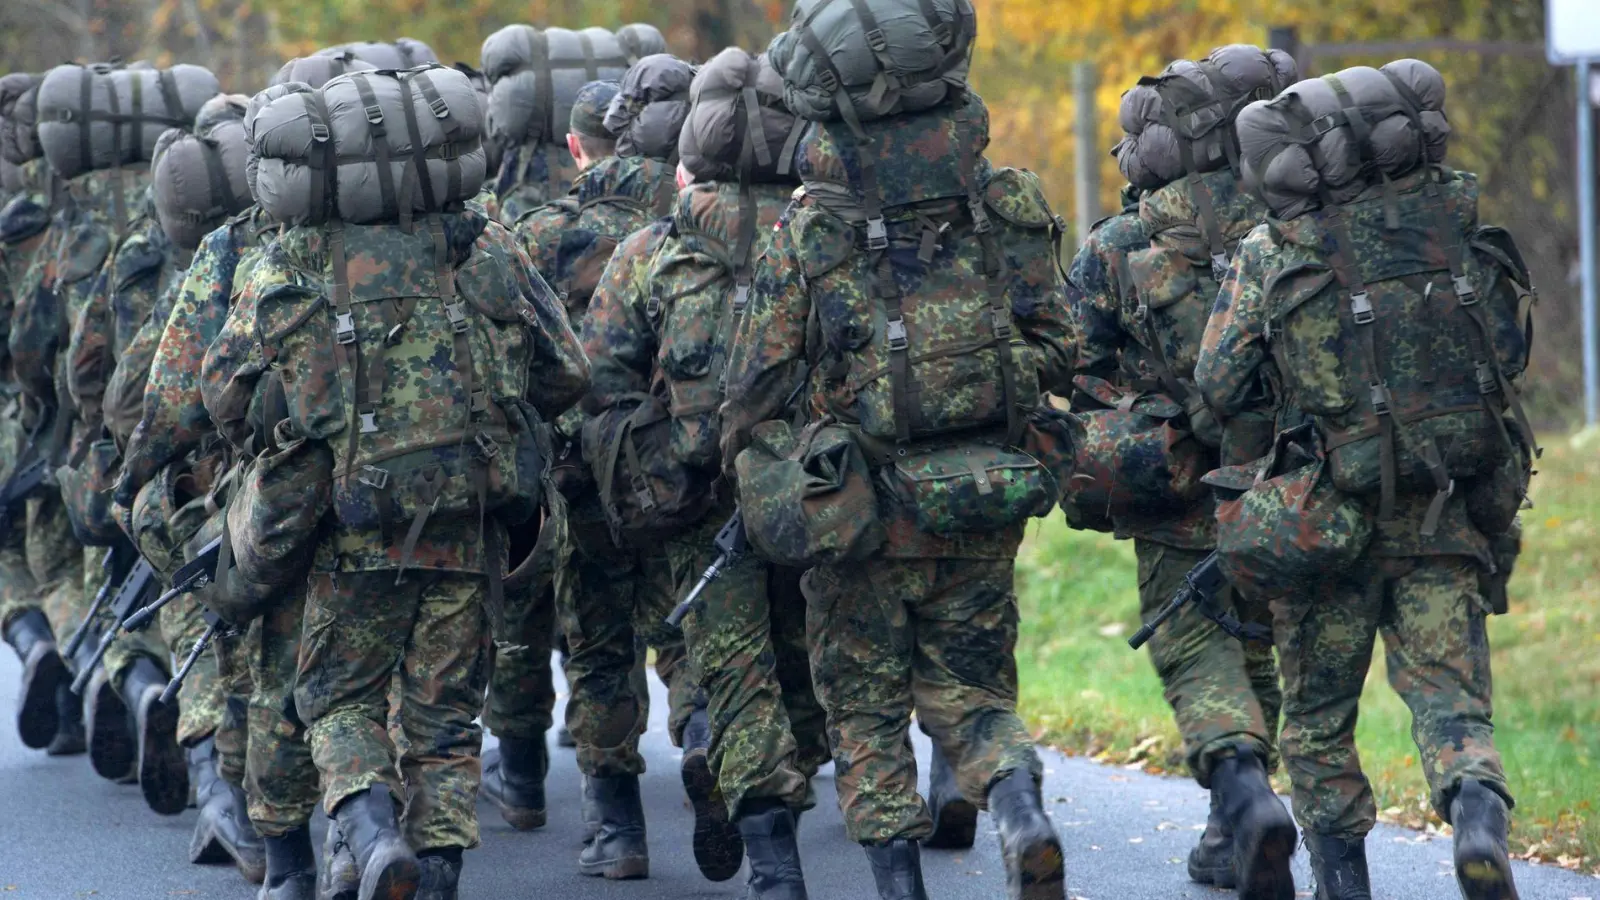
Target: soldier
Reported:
[(408, 567), (892, 292), (1391, 317), (1141, 301), (611, 598), (751, 754)]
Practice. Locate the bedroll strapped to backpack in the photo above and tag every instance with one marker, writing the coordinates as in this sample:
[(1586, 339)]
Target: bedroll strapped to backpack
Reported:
[(403, 53), (316, 71), (100, 117), (199, 181), (408, 352), (535, 75), (648, 113), (914, 271), (19, 144), (868, 59), (368, 147), (738, 126)]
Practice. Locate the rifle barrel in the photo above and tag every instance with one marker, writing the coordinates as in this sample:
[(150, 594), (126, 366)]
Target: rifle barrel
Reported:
[(82, 680), (200, 646)]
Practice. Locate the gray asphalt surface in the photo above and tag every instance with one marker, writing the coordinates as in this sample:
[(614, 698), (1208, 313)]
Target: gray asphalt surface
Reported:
[(66, 833)]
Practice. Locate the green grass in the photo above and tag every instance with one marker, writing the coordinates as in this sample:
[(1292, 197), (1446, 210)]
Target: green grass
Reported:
[(1086, 692)]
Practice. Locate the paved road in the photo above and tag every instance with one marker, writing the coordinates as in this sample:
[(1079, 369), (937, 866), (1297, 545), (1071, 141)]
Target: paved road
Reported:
[(65, 833)]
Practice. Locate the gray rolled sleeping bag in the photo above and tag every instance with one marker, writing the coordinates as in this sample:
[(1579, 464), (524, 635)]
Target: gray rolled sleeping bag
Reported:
[(10, 177), (320, 69), (321, 155), (1337, 135), (877, 58), (648, 113), (257, 103), (721, 138), (96, 117), (18, 143), (640, 40), (199, 179), (1195, 103), (404, 53), (535, 75)]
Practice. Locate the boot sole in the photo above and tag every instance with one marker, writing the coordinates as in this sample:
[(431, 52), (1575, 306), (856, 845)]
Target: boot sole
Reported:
[(1219, 876), (392, 874), (955, 826), (1263, 868), (208, 848), (628, 868), (112, 753), (522, 818), (718, 845), (1038, 871), (1486, 877), (163, 771), (37, 718)]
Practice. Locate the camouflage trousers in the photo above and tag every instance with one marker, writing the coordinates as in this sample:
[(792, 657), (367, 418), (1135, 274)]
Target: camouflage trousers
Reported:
[(1224, 693), (18, 591), (214, 700), (361, 629), (522, 694), (747, 639), (1431, 615), (611, 604), (280, 778), (934, 636), (55, 560)]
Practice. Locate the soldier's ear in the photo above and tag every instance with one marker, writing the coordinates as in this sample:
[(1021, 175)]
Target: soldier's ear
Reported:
[(575, 147)]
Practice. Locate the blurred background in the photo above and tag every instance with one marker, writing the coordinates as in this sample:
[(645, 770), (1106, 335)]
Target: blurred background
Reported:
[(1051, 70)]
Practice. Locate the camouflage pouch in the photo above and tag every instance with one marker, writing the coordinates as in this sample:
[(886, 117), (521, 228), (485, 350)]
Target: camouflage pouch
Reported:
[(645, 491), (86, 490), (274, 520), (1493, 500), (807, 497), (1131, 457), (972, 487), (1282, 526), (1493, 581), (167, 513)]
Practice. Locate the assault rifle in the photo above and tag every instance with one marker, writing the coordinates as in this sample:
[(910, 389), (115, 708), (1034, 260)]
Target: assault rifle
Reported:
[(118, 563), (126, 611), (733, 544), (1202, 586), (214, 628)]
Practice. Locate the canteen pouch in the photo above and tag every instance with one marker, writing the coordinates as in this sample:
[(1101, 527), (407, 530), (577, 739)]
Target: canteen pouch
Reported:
[(972, 487), (86, 492), (1282, 526), (1131, 457), (283, 498), (807, 496)]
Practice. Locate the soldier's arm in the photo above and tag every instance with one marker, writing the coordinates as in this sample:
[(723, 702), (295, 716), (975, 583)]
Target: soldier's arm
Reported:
[(233, 364), (1092, 296), (617, 334), (560, 371), (539, 235), (768, 356), (1235, 345)]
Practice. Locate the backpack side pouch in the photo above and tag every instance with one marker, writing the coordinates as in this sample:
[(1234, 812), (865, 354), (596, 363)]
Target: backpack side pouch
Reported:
[(807, 496)]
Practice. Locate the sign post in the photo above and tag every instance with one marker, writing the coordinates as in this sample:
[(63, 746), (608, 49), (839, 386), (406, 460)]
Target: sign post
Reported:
[(1572, 37)]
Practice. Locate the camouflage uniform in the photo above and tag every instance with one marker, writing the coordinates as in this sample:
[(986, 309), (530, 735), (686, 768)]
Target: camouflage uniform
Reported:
[(929, 623), (430, 627), (1422, 594), (1223, 693), (530, 177), (746, 636), (610, 600)]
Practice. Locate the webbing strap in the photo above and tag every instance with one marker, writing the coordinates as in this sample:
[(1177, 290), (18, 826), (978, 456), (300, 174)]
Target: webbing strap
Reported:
[(221, 190), (489, 538), (347, 345), (1205, 204), (591, 67), (86, 103), (543, 90), (418, 170), (380, 145), (323, 187), (426, 487)]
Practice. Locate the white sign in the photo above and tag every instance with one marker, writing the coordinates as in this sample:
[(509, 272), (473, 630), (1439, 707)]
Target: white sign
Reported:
[(1572, 30)]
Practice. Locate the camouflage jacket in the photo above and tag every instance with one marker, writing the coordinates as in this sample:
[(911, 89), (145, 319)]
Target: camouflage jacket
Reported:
[(24, 226), (174, 420), (570, 240), (236, 361), (1236, 356), (771, 352), (532, 176), (124, 401)]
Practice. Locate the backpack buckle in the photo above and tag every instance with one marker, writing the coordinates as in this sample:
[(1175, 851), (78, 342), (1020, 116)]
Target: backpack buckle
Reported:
[(1465, 292), (374, 115), (1323, 124), (449, 151), (487, 448), (827, 80), (642, 494), (877, 41), (440, 108), (345, 331), (1380, 399), (1219, 266), (374, 477), (457, 316), (980, 217), (652, 307), (1361, 308), (1486, 380), (1141, 312), (369, 422), (877, 234), (941, 32), (741, 297), (320, 132), (897, 334)]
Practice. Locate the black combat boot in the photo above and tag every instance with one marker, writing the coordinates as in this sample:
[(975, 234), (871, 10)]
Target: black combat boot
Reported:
[(163, 771), (618, 850), (955, 818), (113, 747), (1340, 867), (1211, 860), (223, 833), (441, 873), (897, 868), (718, 848), (389, 870), (769, 834), (291, 867), (1483, 864), (43, 671), (1035, 869), (1263, 832), (70, 739), (337, 877), (513, 778)]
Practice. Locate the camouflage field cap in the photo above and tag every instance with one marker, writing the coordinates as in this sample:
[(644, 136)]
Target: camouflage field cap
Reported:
[(589, 110)]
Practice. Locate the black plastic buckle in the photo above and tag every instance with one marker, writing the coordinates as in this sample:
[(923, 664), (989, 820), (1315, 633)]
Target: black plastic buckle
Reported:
[(1465, 292), (877, 234), (897, 335), (1324, 124), (827, 80), (320, 132), (1361, 308), (457, 316), (374, 477), (440, 108), (374, 115), (1487, 384), (345, 332), (487, 448), (741, 297), (369, 422), (877, 41), (1380, 399)]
